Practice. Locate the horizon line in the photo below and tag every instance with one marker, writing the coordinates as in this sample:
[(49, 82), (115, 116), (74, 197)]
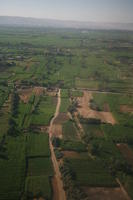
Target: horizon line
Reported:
[(65, 20)]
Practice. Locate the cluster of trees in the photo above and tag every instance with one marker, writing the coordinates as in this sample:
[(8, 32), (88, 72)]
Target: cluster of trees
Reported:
[(56, 141), (14, 104), (4, 65), (73, 192), (3, 150), (94, 106), (13, 128), (114, 164), (119, 165)]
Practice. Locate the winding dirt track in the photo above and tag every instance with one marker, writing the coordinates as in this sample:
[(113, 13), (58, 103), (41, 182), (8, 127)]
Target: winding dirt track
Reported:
[(61, 193)]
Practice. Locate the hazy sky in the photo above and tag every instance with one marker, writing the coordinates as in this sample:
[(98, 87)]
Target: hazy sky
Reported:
[(81, 10)]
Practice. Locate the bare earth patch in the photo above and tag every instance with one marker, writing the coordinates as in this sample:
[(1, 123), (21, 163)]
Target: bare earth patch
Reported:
[(126, 109), (99, 193), (86, 112), (71, 154), (38, 91), (106, 107), (127, 152), (61, 118), (57, 130), (99, 133), (25, 94), (57, 124)]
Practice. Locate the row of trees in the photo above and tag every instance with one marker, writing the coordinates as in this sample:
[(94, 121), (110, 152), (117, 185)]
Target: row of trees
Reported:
[(13, 127), (73, 192)]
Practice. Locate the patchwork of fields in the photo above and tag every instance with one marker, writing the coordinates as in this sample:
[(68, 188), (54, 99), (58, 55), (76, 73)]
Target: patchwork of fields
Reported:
[(66, 107)]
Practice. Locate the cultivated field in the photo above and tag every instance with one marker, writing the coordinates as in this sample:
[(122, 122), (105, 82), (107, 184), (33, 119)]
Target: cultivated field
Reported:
[(66, 114)]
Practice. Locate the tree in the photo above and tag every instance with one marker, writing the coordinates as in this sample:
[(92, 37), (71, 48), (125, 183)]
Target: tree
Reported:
[(55, 141)]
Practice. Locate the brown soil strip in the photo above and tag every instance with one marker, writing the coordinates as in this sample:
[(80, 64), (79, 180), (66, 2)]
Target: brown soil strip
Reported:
[(127, 152), (98, 133), (71, 154), (126, 109), (106, 107), (55, 189), (102, 193), (86, 112), (61, 118)]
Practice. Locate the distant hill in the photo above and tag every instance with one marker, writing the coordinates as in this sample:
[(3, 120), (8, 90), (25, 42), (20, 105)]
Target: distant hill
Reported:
[(34, 22)]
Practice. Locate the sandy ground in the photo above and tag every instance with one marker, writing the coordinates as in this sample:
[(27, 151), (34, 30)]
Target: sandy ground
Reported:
[(99, 193), (127, 152), (86, 112)]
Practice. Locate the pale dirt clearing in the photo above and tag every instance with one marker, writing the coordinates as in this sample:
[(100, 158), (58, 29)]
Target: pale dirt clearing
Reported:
[(101, 193), (86, 112)]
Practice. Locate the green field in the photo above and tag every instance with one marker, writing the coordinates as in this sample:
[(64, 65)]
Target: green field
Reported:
[(38, 145), (71, 60), (115, 101), (91, 173), (65, 102), (12, 168), (37, 186), (40, 166), (44, 111), (73, 146), (69, 131)]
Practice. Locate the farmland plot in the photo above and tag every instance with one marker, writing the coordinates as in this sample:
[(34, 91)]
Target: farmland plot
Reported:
[(86, 112)]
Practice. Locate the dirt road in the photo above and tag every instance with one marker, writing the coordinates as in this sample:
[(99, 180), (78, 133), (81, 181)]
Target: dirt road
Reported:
[(61, 193), (123, 190)]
